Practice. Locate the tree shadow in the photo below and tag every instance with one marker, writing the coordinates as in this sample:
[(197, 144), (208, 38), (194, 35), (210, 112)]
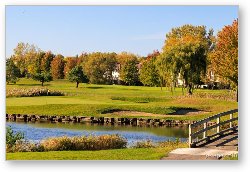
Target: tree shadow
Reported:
[(32, 85), (183, 111), (94, 87)]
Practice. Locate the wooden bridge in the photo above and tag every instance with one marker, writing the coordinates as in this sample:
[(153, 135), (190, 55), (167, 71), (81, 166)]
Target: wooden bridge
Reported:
[(214, 132), (210, 139)]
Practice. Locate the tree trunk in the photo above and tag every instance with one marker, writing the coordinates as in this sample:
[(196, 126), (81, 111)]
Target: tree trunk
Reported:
[(190, 89), (77, 83), (42, 84)]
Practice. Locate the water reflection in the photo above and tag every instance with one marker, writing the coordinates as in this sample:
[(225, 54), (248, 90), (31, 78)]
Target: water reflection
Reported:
[(38, 131)]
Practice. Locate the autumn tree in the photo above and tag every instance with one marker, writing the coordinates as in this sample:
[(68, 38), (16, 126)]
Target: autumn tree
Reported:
[(76, 75), (36, 64), (149, 74), (99, 67), (129, 72), (57, 67), (24, 57), (70, 63), (185, 54), (12, 72), (224, 58), (46, 60)]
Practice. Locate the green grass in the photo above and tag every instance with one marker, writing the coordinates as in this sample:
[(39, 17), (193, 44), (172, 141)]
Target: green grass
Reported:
[(114, 154), (231, 157), (99, 100)]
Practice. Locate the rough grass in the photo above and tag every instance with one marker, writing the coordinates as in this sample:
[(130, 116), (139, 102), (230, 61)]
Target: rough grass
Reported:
[(84, 143), (97, 100)]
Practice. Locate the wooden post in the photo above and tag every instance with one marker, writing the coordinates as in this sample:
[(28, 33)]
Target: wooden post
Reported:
[(190, 137), (231, 117), (205, 132), (218, 127)]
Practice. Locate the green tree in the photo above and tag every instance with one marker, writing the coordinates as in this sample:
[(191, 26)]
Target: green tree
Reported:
[(42, 76), (99, 67), (166, 70), (129, 72), (57, 67), (76, 75), (185, 54), (12, 72), (149, 74)]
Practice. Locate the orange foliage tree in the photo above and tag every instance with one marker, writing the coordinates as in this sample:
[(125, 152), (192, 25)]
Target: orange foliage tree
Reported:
[(224, 58), (71, 62), (57, 67)]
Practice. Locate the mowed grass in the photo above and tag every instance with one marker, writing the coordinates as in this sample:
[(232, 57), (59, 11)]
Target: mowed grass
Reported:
[(101, 100), (114, 154)]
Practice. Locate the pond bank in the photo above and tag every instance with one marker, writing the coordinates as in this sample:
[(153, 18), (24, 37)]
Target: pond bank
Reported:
[(98, 120)]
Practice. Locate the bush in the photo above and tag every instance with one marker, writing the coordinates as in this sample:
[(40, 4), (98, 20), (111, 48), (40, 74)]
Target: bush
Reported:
[(219, 96), (15, 142), (12, 138), (144, 144), (25, 146), (21, 92), (84, 143), (170, 143)]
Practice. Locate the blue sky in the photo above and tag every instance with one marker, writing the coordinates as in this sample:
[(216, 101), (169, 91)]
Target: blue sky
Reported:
[(71, 30)]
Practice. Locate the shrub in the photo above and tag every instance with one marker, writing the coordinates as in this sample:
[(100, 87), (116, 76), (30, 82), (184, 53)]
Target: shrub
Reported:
[(170, 143), (84, 143), (25, 146), (219, 96), (21, 92), (144, 144), (12, 138)]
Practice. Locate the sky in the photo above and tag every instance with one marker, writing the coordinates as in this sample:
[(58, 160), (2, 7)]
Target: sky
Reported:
[(72, 30)]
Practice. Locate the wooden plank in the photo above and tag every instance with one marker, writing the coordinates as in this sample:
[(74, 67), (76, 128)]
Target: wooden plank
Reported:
[(218, 125), (205, 132), (213, 117), (213, 126), (231, 117), (190, 135)]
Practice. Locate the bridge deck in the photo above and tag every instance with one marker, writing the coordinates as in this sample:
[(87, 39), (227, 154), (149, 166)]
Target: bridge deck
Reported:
[(225, 142)]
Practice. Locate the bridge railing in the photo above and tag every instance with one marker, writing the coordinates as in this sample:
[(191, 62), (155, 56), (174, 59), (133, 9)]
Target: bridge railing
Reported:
[(204, 128)]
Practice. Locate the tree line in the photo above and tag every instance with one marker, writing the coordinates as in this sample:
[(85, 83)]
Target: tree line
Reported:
[(190, 54)]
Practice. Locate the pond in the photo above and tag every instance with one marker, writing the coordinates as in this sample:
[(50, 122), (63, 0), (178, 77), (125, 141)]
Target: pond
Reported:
[(37, 131)]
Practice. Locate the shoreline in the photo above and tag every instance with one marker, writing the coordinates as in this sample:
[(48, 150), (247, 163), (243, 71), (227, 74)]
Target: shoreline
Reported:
[(97, 120)]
